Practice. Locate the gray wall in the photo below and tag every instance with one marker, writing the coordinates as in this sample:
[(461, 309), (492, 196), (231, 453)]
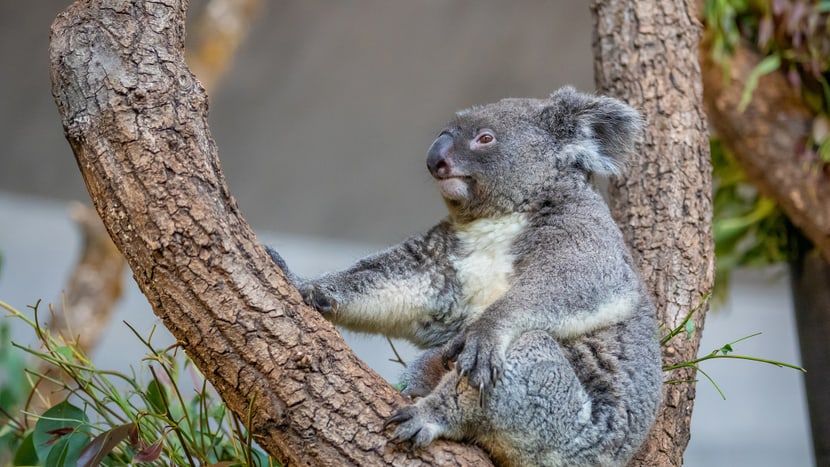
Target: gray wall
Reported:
[(323, 122)]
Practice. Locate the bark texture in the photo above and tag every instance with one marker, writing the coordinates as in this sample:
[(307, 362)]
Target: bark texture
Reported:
[(136, 119), (766, 139), (646, 53)]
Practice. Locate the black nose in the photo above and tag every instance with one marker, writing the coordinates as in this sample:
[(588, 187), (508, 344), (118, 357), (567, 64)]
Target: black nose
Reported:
[(438, 156)]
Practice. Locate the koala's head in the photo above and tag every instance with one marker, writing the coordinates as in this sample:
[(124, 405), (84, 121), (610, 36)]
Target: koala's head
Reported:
[(496, 158)]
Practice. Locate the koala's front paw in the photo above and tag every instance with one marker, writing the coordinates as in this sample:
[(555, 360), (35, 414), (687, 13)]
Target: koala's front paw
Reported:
[(318, 298), (415, 424), (478, 355)]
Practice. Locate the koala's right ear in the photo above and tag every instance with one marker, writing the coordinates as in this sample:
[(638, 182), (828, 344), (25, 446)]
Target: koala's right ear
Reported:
[(596, 133)]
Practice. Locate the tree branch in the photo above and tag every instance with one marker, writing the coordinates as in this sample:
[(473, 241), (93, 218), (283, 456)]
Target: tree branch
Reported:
[(646, 53), (136, 119), (767, 138)]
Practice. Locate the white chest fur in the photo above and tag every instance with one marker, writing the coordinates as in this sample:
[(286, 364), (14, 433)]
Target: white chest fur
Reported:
[(485, 266)]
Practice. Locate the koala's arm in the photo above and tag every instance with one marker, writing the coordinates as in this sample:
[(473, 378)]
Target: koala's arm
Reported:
[(277, 258), (584, 284), (405, 291)]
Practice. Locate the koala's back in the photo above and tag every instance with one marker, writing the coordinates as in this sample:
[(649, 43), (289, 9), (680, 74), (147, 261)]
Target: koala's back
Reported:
[(540, 415)]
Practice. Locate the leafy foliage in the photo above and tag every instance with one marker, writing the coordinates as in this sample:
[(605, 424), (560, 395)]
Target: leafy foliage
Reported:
[(749, 229), (796, 33), (725, 351), (162, 422), (794, 38)]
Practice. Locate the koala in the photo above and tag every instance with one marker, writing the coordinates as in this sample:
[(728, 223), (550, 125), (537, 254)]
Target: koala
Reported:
[(526, 287)]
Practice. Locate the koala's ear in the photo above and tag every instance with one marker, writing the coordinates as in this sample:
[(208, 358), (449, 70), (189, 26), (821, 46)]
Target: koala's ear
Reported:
[(596, 133)]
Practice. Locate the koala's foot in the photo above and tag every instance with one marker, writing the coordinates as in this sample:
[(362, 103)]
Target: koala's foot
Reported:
[(416, 424), (318, 298), (478, 356)]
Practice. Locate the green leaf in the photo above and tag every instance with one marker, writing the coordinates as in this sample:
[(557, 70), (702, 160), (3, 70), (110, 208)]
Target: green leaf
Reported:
[(65, 352), (155, 396), (103, 444), (824, 150), (14, 388), (726, 349), (767, 65), (66, 450), (690, 329), (26, 453), (57, 422)]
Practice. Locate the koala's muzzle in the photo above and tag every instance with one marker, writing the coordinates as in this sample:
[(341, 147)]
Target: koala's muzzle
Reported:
[(438, 156)]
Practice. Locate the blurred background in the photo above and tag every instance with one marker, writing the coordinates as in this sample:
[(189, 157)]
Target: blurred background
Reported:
[(322, 120)]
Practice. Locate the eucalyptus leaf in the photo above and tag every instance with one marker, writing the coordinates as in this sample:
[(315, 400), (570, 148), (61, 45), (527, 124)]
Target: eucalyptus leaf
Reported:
[(65, 452), (56, 423), (690, 329), (26, 454), (767, 65)]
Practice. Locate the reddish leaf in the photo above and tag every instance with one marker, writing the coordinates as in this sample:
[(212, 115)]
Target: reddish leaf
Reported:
[(765, 30), (103, 444), (150, 453)]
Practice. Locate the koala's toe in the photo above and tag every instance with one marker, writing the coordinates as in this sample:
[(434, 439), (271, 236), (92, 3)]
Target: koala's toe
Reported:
[(481, 364), (401, 415), (316, 298), (426, 434), (451, 350), (414, 425)]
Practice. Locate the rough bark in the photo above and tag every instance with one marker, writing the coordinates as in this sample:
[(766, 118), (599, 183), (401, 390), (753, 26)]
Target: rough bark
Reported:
[(646, 53), (136, 119), (766, 139)]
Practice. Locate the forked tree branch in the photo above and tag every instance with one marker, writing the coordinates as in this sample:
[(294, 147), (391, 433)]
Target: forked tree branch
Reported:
[(136, 119)]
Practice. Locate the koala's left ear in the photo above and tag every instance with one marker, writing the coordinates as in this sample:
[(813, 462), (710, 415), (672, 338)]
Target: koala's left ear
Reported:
[(596, 133)]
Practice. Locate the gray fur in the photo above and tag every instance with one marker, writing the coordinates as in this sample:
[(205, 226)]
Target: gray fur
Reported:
[(527, 286)]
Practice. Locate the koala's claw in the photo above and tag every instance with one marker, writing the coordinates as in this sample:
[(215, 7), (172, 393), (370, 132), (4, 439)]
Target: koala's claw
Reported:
[(401, 415), (479, 359), (316, 298), (414, 426)]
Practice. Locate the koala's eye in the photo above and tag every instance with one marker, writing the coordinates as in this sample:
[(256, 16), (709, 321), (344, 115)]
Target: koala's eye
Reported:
[(485, 138)]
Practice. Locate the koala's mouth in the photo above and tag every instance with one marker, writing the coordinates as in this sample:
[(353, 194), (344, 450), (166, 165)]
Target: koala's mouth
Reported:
[(454, 188)]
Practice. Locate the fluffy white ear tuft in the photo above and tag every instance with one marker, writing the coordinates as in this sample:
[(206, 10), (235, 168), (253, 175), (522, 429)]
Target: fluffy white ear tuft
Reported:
[(596, 133)]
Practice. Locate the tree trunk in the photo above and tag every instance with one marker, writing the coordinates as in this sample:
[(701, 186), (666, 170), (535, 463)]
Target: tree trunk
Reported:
[(646, 54), (136, 119)]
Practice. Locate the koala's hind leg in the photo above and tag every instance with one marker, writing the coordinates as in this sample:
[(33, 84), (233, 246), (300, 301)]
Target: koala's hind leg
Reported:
[(423, 374), (537, 413)]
